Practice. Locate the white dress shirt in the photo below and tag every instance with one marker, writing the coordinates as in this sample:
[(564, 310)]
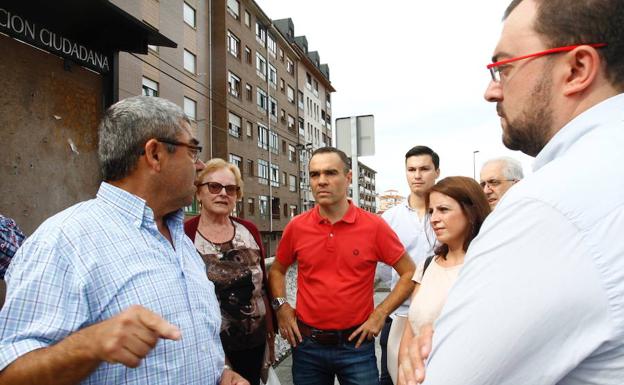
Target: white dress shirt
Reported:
[(541, 297), (416, 236)]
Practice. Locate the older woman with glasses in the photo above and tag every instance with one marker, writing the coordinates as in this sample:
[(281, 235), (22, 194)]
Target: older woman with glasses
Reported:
[(232, 250)]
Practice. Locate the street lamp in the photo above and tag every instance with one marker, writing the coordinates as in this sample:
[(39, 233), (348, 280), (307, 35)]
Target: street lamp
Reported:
[(474, 164)]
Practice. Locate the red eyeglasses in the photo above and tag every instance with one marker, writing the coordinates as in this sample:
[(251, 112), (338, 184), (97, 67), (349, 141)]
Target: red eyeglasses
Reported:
[(495, 68)]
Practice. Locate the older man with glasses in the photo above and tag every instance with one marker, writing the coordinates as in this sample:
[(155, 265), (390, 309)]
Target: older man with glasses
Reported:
[(497, 176), (111, 291), (541, 297)]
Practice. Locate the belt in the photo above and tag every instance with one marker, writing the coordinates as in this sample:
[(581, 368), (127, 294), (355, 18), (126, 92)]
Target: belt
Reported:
[(326, 337)]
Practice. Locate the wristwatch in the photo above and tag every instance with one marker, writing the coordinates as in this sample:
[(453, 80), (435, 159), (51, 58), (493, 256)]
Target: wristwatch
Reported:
[(277, 302)]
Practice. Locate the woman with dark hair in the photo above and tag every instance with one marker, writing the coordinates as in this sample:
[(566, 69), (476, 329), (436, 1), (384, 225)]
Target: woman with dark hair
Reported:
[(457, 207), (232, 250)]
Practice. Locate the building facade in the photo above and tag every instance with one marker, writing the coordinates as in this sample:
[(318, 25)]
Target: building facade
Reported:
[(389, 199), (313, 102), (366, 185), (257, 97)]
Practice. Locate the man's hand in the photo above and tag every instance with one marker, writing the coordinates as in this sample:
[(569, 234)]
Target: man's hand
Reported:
[(129, 336), (412, 366), (287, 321), (369, 329), (230, 377)]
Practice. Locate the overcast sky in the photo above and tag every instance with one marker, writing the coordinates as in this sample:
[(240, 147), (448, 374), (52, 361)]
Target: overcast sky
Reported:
[(418, 67)]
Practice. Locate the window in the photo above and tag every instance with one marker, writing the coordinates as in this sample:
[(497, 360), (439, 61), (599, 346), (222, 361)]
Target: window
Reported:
[(260, 33), (272, 45), (282, 115), (149, 88), (247, 55), (301, 127), (273, 108), (233, 44), (275, 208), (261, 68), (190, 108), (261, 99), (249, 129), (292, 153), (292, 183), (300, 99), (293, 211), (189, 61), (263, 171), (236, 160), (249, 91), (284, 148), (250, 167), (247, 19), (290, 66), (233, 8), (286, 210), (263, 137), (308, 81), (274, 142), (291, 94), (284, 177), (328, 100), (263, 205), (291, 122), (315, 87), (189, 15), (272, 76), (251, 205), (234, 125), (234, 85), (282, 84), (274, 175)]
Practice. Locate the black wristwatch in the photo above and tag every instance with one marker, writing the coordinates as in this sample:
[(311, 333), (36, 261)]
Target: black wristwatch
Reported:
[(277, 302)]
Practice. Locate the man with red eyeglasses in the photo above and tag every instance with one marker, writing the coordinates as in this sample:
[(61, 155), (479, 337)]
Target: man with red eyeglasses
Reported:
[(541, 297)]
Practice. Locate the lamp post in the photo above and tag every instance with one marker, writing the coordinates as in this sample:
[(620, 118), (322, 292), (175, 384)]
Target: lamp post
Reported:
[(474, 164)]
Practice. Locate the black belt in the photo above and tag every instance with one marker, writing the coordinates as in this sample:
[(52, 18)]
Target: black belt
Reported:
[(326, 337)]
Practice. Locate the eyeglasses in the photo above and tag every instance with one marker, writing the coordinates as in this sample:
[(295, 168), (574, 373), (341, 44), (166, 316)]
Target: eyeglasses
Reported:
[(496, 68), (495, 182), (195, 150), (216, 188)]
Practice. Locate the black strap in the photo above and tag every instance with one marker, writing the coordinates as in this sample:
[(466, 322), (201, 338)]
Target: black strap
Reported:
[(427, 262)]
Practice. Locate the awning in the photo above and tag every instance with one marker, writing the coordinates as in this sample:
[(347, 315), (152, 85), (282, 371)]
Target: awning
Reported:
[(98, 24)]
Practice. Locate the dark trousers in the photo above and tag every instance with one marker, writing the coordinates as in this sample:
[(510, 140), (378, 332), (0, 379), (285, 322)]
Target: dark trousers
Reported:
[(247, 363), (316, 364), (384, 376)]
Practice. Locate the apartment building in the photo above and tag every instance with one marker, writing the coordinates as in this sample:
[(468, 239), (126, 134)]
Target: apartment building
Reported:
[(257, 97), (389, 199), (366, 183), (255, 113), (313, 102)]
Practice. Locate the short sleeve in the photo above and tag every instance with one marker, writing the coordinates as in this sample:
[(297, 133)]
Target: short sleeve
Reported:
[(420, 271), (285, 252), (390, 249)]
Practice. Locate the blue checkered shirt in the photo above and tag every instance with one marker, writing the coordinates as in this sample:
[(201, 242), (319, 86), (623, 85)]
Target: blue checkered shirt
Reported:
[(94, 260), (11, 237)]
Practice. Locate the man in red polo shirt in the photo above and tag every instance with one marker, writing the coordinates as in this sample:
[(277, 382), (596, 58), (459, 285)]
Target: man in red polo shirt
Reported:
[(337, 246)]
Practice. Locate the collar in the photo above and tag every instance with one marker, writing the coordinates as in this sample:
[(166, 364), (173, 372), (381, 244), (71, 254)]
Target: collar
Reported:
[(349, 216), (608, 110), (132, 206)]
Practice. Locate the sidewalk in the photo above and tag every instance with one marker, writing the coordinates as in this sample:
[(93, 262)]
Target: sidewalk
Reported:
[(283, 370)]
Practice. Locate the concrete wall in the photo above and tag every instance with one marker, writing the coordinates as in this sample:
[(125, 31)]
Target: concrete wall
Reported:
[(48, 125)]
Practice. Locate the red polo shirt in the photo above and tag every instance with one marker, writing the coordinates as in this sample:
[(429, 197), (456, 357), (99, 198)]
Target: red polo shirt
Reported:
[(337, 264)]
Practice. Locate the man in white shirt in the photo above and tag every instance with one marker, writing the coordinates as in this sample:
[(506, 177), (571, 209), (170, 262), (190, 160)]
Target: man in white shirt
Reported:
[(541, 297), (497, 176), (408, 220)]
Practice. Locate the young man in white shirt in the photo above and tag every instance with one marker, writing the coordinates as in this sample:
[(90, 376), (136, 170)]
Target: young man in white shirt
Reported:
[(408, 220)]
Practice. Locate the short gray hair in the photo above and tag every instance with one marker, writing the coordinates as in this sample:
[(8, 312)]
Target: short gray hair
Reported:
[(512, 169), (128, 124)]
